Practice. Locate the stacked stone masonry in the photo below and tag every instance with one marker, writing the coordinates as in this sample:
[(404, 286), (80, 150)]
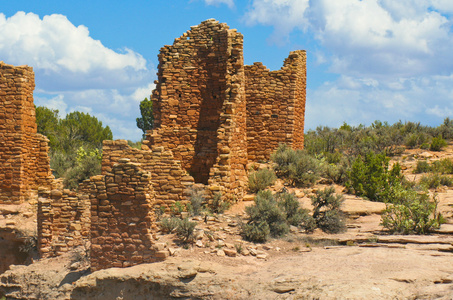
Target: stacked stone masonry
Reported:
[(213, 116), (24, 160), (63, 221), (275, 106), (169, 180), (216, 114), (122, 217)]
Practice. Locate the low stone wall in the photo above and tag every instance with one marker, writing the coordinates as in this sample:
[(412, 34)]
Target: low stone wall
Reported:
[(63, 221), (122, 217), (170, 181)]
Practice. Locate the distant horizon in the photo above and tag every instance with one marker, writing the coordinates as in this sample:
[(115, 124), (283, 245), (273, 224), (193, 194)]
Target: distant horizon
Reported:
[(367, 60)]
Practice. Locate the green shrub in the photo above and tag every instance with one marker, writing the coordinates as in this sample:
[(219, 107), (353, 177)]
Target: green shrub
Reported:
[(326, 210), (266, 209), (197, 200), (446, 180), (370, 176), (185, 229), (410, 213), (424, 146), (255, 232), (168, 225), (422, 167), (435, 180), (218, 205), (337, 172), (437, 144), (297, 166), (443, 166), (295, 215), (261, 179)]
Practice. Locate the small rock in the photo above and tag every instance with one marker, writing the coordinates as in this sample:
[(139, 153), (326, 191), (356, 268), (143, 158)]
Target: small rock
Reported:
[(198, 234), (261, 256), (199, 244), (245, 252), (220, 252), (277, 249), (173, 251), (230, 246), (220, 243), (75, 266), (253, 252), (230, 252), (266, 247)]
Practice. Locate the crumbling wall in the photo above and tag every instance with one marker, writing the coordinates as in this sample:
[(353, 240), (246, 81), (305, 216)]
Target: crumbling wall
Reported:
[(24, 160), (170, 181), (275, 106), (199, 105), (63, 221), (122, 217)]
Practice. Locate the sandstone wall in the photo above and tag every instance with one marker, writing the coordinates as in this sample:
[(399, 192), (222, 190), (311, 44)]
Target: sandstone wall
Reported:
[(275, 106), (170, 181), (199, 105), (63, 221), (122, 217), (24, 161)]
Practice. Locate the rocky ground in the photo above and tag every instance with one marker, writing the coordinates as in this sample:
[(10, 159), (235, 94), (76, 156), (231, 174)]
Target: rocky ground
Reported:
[(362, 263)]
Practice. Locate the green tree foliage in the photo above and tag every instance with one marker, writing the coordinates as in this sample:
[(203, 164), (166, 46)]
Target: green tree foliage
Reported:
[(75, 144), (411, 212), (371, 177), (146, 121), (47, 121), (86, 129)]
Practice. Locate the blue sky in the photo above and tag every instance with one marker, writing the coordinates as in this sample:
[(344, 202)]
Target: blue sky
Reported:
[(367, 60)]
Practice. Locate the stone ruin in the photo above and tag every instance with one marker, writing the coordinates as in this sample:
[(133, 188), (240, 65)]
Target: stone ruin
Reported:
[(24, 162), (216, 114), (213, 116)]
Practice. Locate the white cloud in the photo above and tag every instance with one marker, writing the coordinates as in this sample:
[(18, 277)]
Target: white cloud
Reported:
[(64, 56), (371, 38), (426, 99), (284, 15), (230, 3), (75, 72), (393, 58)]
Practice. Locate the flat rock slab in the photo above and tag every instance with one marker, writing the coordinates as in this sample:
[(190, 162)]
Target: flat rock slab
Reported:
[(354, 206)]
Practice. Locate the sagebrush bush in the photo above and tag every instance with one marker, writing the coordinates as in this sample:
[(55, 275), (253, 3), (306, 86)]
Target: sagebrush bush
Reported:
[(168, 225), (422, 167), (197, 201), (185, 229), (411, 213), (337, 172), (295, 215), (218, 205), (266, 209), (437, 144), (435, 180), (326, 210), (261, 179), (257, 232), (443, 166), (271, 215), (297, 166)]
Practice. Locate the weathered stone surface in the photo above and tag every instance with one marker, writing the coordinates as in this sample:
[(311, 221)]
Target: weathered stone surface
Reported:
[(24, 160)]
